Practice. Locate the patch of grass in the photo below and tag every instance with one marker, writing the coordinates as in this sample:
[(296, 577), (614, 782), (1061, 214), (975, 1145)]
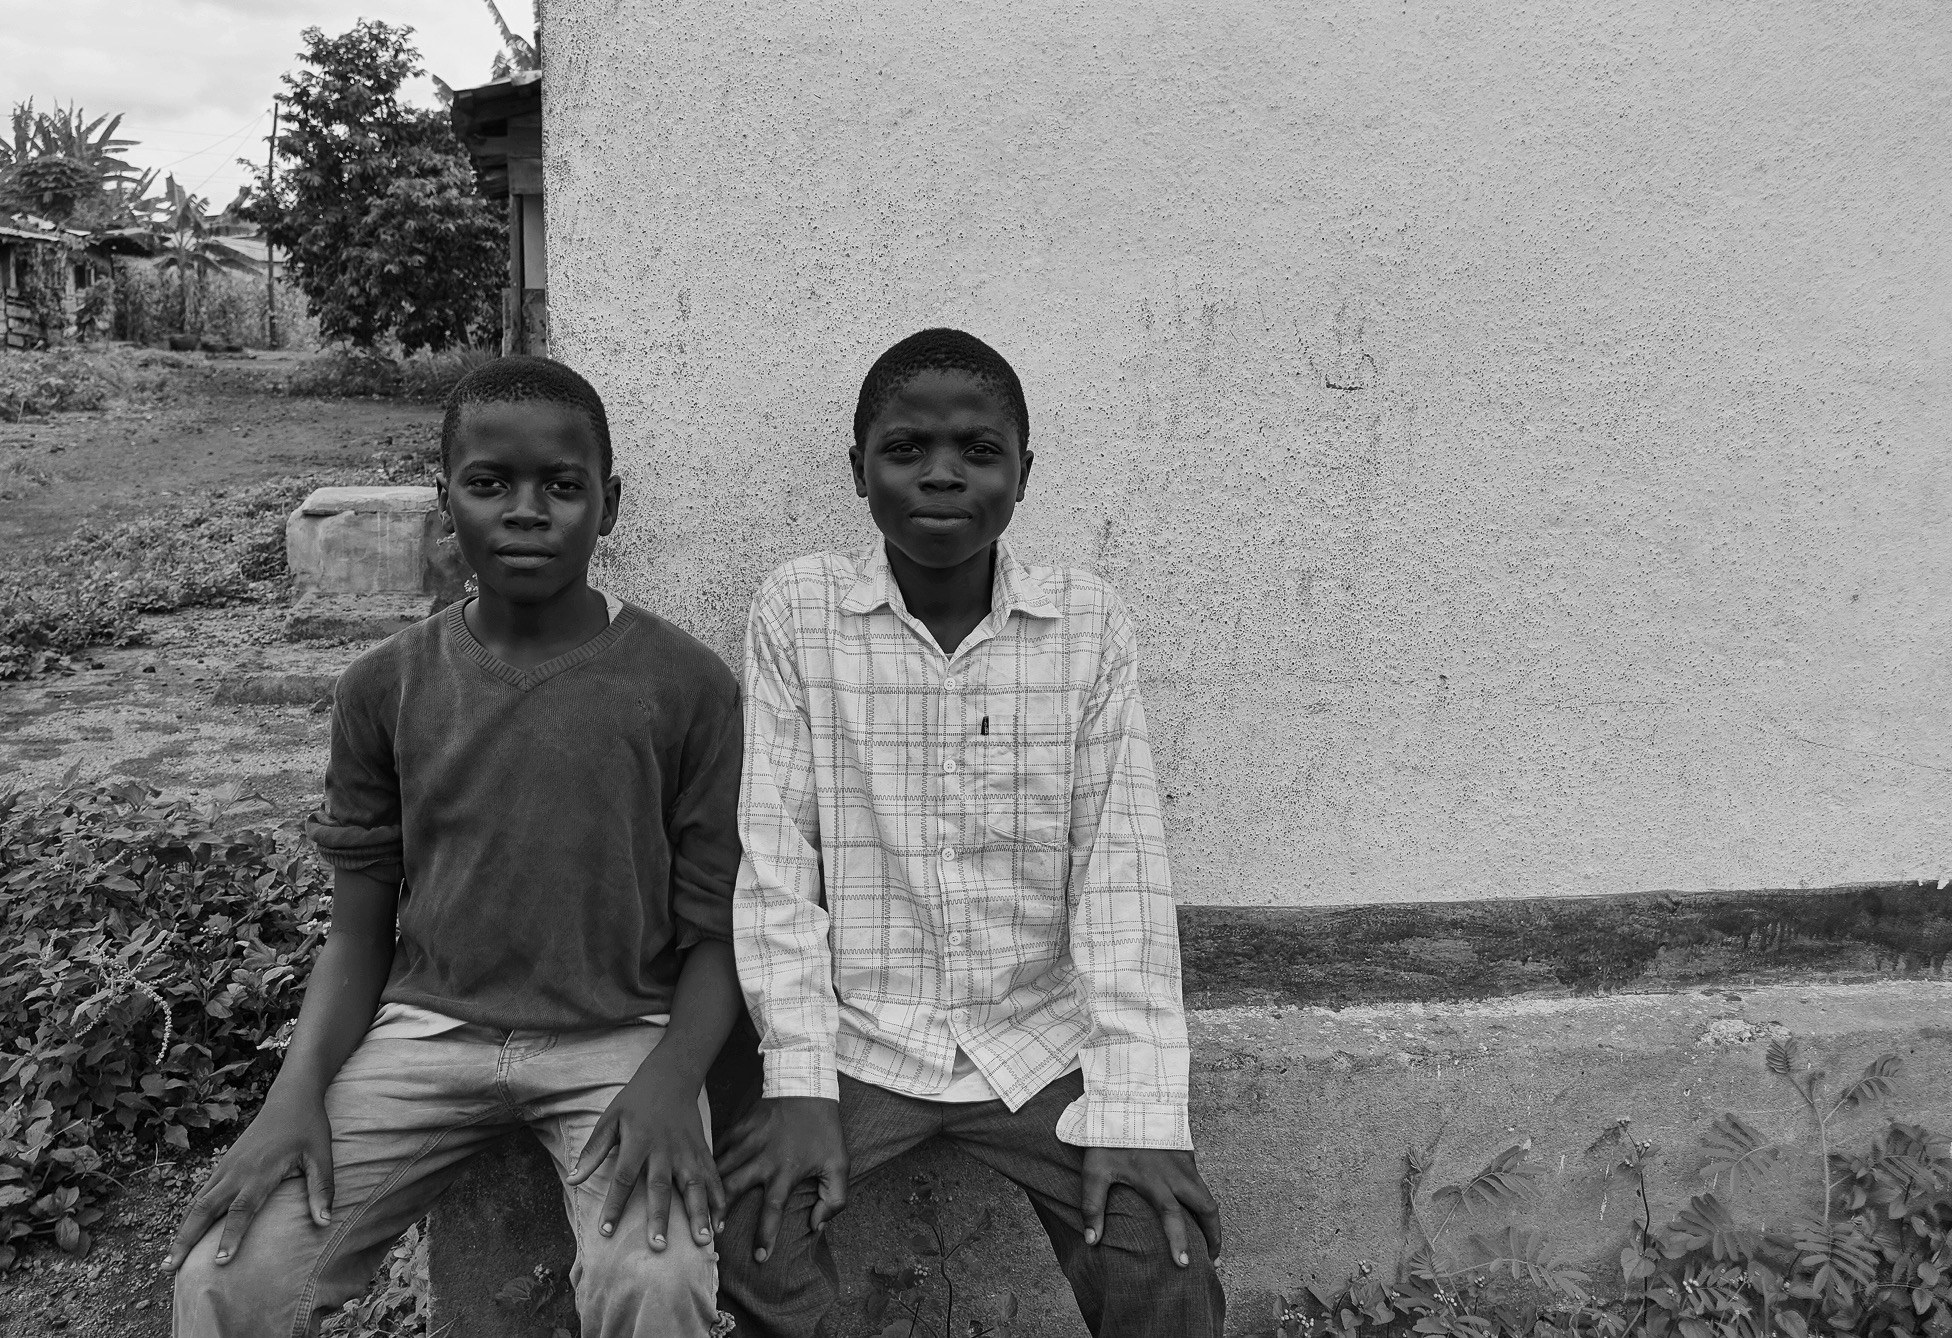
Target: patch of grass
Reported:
[(228, 548), (85, 377), (427, 377)]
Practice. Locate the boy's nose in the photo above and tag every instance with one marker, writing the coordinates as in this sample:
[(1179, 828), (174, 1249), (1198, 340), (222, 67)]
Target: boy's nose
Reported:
[(526, 509), (941, 473)]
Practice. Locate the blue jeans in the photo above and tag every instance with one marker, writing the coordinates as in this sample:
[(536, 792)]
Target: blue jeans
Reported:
[(406, 1116), (1127, 1285)]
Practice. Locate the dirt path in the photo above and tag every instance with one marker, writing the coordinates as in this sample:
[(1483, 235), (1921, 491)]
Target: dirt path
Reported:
[(219, 425)]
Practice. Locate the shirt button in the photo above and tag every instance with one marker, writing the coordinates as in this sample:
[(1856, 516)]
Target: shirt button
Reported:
[(950, 766), (952, 685), (948, 854), (955, 940)]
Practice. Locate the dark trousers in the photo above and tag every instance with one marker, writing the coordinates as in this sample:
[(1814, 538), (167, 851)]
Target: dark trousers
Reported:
[(1127, 1285)]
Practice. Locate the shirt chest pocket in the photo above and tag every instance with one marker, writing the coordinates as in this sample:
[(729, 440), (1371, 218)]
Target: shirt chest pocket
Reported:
[(1024, 771)]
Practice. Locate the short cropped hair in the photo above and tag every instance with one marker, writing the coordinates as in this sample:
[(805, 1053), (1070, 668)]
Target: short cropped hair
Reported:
[(939, 350), (516, 380)]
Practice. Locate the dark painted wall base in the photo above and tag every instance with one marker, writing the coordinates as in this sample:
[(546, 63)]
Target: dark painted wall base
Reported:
[(1434, 952)]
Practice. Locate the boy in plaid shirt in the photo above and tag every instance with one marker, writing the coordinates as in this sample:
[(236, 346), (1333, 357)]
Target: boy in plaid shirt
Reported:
[(953, 914)]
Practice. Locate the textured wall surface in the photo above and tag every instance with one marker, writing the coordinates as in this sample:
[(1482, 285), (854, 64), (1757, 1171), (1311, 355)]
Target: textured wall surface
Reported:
[(1519, 429)]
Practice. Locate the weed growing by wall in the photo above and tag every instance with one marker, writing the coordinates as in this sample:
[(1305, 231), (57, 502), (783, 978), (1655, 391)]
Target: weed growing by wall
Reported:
[(1871, 1257)]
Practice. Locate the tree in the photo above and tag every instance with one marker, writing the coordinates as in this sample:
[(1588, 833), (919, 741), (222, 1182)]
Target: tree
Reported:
[(374, 203), (66, 167)]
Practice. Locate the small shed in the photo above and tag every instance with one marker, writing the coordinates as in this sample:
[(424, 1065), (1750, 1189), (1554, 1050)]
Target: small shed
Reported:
[(44, 272), (500, 123)]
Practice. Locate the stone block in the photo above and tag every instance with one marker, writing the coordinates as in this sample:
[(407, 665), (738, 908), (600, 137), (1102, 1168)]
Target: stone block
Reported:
[(504, 1220), (372, 541), (500, 1231)]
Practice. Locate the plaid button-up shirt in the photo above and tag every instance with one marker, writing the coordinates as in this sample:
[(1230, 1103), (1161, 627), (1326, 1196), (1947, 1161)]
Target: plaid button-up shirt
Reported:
[(963, 850)]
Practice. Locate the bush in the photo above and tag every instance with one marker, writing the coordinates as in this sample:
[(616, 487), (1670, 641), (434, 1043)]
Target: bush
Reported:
[(76, 378), (147, 307), (431, 377), (427, 377), (150, 954)]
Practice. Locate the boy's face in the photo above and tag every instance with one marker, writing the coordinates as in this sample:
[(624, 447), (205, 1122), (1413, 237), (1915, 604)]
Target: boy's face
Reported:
[(525, 497), (943, 468)]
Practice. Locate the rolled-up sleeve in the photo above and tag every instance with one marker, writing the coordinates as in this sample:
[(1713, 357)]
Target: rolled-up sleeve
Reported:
[(780, 921), (1124, 928), (358, 824)]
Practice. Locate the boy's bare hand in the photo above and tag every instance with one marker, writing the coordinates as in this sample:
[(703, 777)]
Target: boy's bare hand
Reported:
[(291, 1136), (1168, 1180), (654, 1128), (783, 1141)]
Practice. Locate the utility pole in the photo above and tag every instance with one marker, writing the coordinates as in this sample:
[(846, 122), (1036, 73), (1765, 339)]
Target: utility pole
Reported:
[(270, 264)]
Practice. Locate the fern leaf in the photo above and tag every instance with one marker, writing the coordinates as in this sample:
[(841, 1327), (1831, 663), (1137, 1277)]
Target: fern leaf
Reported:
[(1841, 1258), (1876, 1083), (1706, 1224), (1506, 1181), (1737, 1150), (1526, 1254), (1782, 1055)]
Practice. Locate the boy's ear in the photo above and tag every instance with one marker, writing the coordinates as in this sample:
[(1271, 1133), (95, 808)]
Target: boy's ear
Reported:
[(1023, 479), (613, 491), (855, 462), (440, 506)]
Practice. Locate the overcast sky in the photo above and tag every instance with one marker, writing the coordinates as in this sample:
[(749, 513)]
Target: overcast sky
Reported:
[(195, 77)]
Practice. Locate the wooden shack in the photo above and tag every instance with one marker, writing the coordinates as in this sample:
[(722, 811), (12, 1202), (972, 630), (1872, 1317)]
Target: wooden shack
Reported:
[(501, 125), (43, 273)]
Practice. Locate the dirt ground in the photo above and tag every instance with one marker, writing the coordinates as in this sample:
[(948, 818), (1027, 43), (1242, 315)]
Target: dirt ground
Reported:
[(212, 696), (222, 423)]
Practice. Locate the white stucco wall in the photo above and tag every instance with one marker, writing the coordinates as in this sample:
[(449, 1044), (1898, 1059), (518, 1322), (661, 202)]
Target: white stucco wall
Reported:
[(1629, 568)]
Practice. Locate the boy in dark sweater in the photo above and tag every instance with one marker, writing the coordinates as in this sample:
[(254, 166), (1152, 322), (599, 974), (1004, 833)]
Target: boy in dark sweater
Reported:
[(530, 811)]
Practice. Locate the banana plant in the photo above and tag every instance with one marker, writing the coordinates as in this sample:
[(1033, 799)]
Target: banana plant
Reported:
[(194, 244)]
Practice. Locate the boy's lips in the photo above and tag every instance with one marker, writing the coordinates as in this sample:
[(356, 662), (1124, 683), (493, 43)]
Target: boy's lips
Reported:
[(524, 559), (943, 519)]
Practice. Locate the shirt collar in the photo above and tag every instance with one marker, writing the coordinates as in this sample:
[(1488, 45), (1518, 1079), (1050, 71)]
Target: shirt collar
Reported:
[(1015, 590)]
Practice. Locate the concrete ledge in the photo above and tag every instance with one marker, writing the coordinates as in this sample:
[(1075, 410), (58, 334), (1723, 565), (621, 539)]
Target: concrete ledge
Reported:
[(1302, 1112)]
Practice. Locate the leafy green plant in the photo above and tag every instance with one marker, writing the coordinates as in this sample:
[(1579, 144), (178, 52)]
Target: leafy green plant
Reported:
[(1870, 1259), (152, 953), (398, 1304), (908, 1293)]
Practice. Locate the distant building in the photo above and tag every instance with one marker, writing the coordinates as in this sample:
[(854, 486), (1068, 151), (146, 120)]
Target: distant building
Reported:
[(54, 281), (501, 125), (44, 275)]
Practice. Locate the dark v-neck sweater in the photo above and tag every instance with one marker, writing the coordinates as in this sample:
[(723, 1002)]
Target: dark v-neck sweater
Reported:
[(564, 831)]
